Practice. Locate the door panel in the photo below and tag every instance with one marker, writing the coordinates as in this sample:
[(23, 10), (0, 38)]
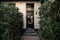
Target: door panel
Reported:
[(30, 15)]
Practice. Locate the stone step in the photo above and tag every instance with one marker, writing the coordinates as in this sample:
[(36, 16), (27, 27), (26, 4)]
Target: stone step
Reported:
[(30, 38), (30, 34), (29, 30)]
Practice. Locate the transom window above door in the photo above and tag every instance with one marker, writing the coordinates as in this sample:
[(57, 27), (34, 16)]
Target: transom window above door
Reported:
[(30, 6)]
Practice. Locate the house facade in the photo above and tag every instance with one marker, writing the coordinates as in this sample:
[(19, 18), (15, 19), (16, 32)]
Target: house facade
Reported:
[(29, 8)]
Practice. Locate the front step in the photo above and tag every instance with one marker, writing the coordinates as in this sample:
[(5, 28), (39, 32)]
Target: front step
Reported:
[(30, 32)]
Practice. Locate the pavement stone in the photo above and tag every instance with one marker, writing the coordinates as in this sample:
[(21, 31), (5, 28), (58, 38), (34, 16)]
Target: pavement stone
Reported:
[(30, 34)]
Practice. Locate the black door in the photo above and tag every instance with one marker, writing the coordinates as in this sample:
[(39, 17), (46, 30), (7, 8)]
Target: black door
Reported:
[(30, 15)]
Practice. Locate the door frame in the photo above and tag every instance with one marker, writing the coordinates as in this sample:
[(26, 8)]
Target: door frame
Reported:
[(33, 14)]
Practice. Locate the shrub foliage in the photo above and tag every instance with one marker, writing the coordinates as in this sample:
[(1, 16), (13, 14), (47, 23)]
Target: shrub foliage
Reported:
[(10, 22), (50, 21)]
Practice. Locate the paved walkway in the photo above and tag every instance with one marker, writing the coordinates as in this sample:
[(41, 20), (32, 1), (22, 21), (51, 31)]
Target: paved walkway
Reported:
[(30, 34)]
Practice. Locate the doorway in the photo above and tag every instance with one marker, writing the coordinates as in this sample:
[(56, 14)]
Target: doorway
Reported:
[(30, 15)]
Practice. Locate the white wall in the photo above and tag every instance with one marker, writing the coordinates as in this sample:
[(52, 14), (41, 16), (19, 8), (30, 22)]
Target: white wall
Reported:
[(36, 14), (22, 8)]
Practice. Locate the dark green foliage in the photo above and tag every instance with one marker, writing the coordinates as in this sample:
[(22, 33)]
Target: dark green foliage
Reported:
[(50, 21), (11, 22)]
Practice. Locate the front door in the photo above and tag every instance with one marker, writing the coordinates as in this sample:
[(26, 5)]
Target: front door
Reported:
[(30, 15)]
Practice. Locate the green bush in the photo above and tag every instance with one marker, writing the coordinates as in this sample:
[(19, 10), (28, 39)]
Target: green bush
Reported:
[(11, 21), (50, 21)]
